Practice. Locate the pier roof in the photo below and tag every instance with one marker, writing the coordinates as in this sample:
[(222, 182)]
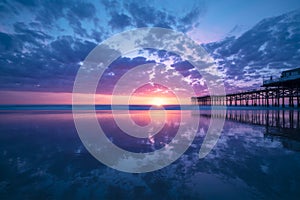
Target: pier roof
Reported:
[(289, 78)]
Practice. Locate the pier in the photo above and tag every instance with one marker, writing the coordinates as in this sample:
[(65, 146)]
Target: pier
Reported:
[(280, 92)]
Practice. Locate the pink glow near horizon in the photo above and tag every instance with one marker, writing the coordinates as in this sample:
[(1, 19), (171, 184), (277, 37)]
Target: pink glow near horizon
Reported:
[(29, 97)]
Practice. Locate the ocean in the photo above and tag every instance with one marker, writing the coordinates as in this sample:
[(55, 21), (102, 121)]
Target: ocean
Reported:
[(257, 155)]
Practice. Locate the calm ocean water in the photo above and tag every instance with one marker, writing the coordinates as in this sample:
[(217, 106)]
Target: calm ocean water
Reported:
[(256, 157)]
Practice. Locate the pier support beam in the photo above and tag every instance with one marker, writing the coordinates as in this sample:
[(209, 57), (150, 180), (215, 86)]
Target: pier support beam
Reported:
[(267, 97), (283, 98), (298, 97)]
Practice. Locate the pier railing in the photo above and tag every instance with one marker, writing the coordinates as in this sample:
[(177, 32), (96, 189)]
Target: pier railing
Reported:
[(275, 96)]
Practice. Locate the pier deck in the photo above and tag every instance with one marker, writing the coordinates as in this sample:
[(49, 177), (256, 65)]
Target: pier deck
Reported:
[(280, 92)]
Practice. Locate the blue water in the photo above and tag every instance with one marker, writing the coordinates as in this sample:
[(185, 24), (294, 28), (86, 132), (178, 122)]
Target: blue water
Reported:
[(256, 157)]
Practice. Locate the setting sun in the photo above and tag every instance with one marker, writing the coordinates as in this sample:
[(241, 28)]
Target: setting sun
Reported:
[(158, 101), (153, 94)]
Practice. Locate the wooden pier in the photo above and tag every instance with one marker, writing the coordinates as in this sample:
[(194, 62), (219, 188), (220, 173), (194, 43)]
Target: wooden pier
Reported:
[(280, 92)]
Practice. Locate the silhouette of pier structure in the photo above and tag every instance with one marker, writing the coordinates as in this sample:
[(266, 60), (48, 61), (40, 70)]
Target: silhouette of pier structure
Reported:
[(278, 92), (277, 122)]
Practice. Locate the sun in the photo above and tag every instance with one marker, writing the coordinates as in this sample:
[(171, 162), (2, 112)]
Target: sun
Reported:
[(158, 101)]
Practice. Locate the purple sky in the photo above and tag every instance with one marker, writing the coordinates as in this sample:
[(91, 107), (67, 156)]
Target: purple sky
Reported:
[(43, 43)]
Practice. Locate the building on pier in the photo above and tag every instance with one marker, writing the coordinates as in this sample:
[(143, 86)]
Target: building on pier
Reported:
[(288, 78), (279, 92)]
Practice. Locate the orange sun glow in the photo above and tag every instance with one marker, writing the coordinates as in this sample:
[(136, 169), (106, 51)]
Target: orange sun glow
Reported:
[(156, 95), (159, 101)]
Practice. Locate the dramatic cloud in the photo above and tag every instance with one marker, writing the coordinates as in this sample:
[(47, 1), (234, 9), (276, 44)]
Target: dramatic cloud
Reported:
[(43, 42), (145, 15), (265, 50), (119, 21)]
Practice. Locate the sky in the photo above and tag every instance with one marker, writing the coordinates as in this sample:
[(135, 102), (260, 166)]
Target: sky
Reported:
[(225, 17), (44, 43)]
